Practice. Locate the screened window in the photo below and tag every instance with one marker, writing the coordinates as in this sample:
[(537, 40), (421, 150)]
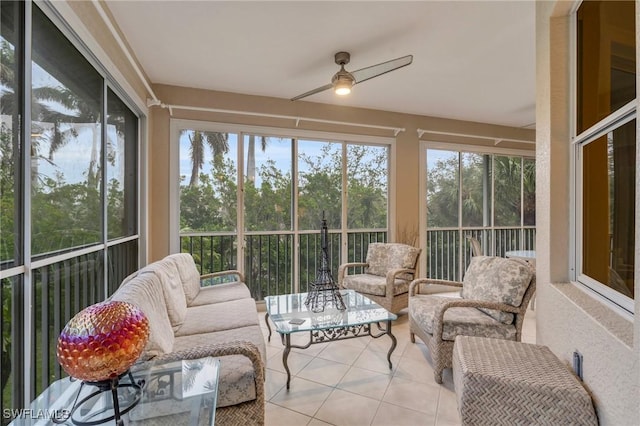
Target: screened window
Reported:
[(68, 186), (285, 185), (66, 142), (11, 94), (606, 148), (474, 195), (122, 168)]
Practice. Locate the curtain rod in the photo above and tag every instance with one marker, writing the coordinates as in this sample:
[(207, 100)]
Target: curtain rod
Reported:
[(468, 135), (153, 102)]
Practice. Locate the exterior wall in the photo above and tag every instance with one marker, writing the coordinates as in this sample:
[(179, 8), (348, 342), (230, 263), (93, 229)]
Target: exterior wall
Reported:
[(405, 168), (568, 318)]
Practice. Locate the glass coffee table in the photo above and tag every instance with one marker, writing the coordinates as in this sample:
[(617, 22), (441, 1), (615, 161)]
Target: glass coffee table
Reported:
[(290, 315), (173, 393)]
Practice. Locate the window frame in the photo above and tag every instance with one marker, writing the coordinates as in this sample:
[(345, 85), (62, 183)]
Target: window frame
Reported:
[(426, 145), (578, 141), (178, 125)]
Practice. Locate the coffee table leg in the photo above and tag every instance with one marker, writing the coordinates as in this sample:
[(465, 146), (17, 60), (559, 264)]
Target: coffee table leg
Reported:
[(394, 342), (266, 321), (285, 355)]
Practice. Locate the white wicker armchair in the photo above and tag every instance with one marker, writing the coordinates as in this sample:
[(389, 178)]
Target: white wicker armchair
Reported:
[(493, 301), (388, 270)]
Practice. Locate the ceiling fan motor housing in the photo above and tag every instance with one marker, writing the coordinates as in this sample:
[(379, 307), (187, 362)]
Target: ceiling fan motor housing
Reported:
[(342, 58)]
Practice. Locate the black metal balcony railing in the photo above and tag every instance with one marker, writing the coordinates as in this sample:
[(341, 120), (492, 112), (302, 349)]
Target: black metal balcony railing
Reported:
[(449, 252), (268, 259), (58, 291)]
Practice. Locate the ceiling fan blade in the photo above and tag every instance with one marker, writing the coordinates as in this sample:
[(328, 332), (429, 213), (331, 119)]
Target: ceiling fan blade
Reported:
[(365, 74), (313, 92)]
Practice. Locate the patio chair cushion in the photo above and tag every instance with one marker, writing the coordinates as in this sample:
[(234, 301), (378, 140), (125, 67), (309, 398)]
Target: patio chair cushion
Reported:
[(374, 284), (383, 257), (497, 279), (457, 321)]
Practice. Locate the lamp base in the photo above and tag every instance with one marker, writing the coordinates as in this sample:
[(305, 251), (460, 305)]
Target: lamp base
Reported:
[(112, 385)]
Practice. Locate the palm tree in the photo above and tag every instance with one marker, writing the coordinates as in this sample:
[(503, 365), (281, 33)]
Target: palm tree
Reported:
[(251, 156), (217, 142)]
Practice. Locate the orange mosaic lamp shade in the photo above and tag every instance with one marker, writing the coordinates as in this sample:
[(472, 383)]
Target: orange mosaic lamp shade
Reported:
[(102, 341)]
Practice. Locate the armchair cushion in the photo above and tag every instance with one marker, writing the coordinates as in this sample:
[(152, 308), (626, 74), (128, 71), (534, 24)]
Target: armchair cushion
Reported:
[(382, 257), (497, 279), (457, 321), (373, 284)]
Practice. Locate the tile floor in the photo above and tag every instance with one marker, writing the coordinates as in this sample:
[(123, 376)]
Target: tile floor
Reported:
[(349, 382)]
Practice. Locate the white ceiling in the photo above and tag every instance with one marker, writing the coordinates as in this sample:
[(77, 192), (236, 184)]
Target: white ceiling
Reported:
[(473, 60)]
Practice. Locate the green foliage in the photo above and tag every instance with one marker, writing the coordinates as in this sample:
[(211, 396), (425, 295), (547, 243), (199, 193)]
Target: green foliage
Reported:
[(211, 207), (442, 193), (443, 188)]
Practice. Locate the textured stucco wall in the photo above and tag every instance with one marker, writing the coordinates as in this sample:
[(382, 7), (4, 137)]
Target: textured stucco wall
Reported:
[(568, 318)]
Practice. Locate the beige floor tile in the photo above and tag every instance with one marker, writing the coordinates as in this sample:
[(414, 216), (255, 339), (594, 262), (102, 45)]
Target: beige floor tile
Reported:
[(414, 369), (344, 408), (295, 362), (342, 352), (359, 342), (312, 350), (447, 408), (448, 422), (383, 343), (324, 371), (304, 396), (413, 395), (389, 414), (376, 361), (279, 416), (316, 422), (365, 382), (273, 351), (274, 382), (417, 350)]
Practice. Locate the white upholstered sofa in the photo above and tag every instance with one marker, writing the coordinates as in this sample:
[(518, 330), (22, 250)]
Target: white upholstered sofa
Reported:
[(188, 320)]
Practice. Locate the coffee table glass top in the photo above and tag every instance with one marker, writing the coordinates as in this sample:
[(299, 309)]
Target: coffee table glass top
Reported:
[(185, 389), (285, 308)]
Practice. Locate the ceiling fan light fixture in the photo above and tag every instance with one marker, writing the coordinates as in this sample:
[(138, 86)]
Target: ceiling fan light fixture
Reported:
[(342, 82), (342, 88)]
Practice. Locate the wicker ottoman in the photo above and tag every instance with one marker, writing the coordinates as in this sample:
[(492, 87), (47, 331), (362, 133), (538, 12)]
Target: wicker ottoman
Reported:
[(502, 382)]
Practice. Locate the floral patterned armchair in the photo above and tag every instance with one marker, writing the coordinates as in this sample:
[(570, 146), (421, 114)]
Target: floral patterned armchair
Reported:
[(388, 270), (492, 303)]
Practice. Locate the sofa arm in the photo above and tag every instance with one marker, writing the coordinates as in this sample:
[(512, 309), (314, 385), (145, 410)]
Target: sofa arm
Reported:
[(222, 274), (342, 270), (414, 287), (237, 347)]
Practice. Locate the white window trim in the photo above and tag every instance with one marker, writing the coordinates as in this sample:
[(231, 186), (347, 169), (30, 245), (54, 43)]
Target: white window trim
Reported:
[(614, 300)]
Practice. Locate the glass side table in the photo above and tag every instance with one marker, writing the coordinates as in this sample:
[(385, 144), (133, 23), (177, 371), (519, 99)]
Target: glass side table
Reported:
[(173, 393), (290, 315)]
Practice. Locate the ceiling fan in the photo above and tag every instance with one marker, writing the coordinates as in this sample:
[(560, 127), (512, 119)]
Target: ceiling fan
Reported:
[(343, 80)]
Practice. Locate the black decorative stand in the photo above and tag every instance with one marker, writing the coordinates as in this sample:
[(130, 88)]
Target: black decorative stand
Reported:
[(323, 291), (109, 385)]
